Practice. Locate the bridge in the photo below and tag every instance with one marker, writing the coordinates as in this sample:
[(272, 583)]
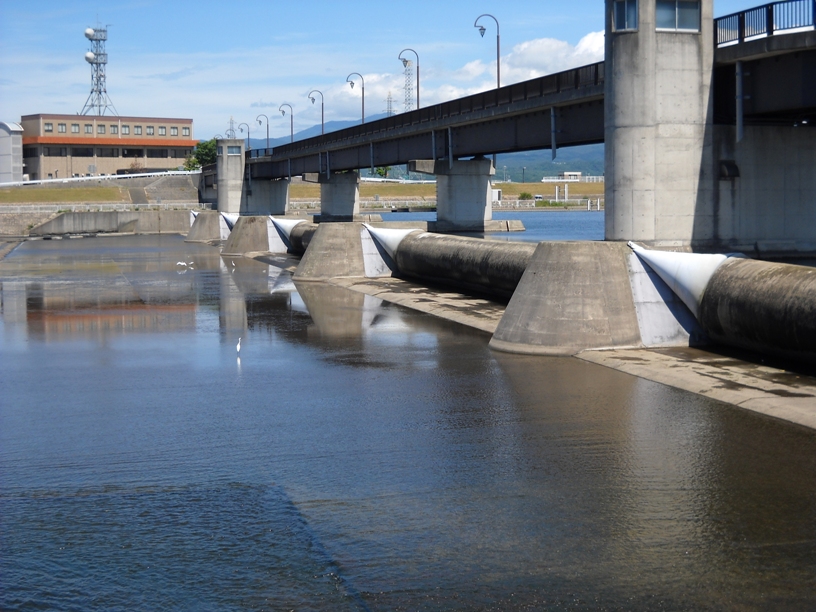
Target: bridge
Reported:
[(702, 126)]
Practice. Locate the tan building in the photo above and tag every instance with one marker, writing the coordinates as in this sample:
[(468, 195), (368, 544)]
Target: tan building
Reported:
[(64, 146)]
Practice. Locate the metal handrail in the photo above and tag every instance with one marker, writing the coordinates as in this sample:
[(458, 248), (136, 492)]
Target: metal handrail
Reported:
[(576, 78), (765, 20)]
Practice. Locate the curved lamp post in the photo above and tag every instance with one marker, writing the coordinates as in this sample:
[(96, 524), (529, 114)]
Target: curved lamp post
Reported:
[(322, 124), (249, 143), (350, 82), (258, 119), (498, 44), (291, 120), (405, 63)]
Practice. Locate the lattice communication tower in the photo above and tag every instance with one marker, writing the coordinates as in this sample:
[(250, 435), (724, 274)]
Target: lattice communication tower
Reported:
[(98, 102), (389, 105), (409, 85)]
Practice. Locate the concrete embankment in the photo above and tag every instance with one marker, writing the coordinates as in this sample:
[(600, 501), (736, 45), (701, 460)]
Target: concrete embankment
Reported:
[(139, 222), (762, 306)]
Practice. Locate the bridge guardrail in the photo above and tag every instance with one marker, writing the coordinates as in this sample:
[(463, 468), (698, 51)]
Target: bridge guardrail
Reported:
[(576, 78), (765, 20)]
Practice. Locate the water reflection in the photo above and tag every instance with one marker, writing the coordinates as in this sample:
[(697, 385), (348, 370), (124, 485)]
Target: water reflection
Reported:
[(359, 454)]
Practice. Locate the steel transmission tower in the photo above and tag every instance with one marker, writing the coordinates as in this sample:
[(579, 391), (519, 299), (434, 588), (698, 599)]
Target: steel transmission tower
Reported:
[(98, 101), (409, 85)]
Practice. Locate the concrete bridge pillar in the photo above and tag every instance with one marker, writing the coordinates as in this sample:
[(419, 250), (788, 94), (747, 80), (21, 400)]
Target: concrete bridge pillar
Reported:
[(339, 195), (464, 196), (267, 197), (658, 122), (230, 174)]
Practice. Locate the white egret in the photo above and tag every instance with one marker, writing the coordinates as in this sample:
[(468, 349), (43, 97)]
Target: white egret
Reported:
[(238, 347)]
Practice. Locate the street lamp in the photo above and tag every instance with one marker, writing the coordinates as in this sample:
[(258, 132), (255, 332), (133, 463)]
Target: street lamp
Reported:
[(291, 120), (322, 124), (350, 82), (498, 44), (249, 143), (258, 119), (523, 168), (405, 64)]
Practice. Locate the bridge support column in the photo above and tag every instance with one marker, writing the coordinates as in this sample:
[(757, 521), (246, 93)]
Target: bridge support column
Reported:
[(339, 195), (230, 174), (267, 197), (464, 196), (659, 166)]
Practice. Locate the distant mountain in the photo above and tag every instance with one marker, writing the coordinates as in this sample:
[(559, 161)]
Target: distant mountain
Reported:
[(588, 159)]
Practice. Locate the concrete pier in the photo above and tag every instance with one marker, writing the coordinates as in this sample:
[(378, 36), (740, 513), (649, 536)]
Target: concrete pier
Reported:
[(230, 174), (464, 196), (658, 107), (339, 195)]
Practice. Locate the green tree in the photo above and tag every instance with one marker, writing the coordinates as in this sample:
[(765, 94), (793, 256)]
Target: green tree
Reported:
[(382, 172), (203, 154)]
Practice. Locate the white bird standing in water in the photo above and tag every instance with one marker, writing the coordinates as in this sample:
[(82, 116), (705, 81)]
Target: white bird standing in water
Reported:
[(238, 347)]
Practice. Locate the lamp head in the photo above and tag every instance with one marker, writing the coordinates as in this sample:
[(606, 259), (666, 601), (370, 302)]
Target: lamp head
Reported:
[(352, 84), (482, 31), (283, 112), (312, 99), (405, 63)]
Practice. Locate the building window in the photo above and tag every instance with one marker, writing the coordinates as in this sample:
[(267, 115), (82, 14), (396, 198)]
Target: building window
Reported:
[(220, 151), (75, 128), (232, 150), (88, 128), (82, 152), (149, 130), (624, 15), (114, 129), (48, 127), (29, 152), (157, 153), (174, 131), (107, 152), (185, 131), (100, 129), (132, 152), (61, 128), (55, 151), (125, 130), (162, 131), (137, 130), (678, 15)]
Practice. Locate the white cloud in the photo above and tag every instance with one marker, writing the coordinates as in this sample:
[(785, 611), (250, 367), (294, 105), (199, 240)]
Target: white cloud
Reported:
[(543, 56)]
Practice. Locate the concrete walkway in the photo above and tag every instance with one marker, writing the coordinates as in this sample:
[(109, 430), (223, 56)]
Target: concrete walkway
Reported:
[(769, 391)]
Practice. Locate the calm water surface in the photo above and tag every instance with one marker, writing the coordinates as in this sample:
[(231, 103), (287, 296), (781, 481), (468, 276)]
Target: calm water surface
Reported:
[(539, 225), (358, 456)]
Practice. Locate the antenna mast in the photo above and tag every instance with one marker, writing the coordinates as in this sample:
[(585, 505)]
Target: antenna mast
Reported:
[(98, 101)]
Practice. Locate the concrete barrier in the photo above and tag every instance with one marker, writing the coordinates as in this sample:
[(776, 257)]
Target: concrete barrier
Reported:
[(140, 222), (762, 306), (248, 234), (573, 296), (208, 226)]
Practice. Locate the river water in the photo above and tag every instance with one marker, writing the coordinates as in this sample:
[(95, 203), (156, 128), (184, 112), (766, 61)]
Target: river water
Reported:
[(357, 456)]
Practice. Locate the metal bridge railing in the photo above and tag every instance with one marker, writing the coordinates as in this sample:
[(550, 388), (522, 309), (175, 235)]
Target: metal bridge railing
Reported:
[(765, 20), (574, 79)]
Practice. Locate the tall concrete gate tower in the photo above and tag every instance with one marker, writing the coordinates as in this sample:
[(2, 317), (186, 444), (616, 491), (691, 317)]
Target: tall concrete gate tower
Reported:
[(658, 120)]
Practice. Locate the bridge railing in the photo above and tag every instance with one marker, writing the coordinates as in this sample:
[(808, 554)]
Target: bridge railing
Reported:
[(765, 20), (577, 78)]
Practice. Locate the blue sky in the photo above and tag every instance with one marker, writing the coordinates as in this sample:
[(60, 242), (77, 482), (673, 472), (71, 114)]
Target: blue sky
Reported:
[(210, 61)]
